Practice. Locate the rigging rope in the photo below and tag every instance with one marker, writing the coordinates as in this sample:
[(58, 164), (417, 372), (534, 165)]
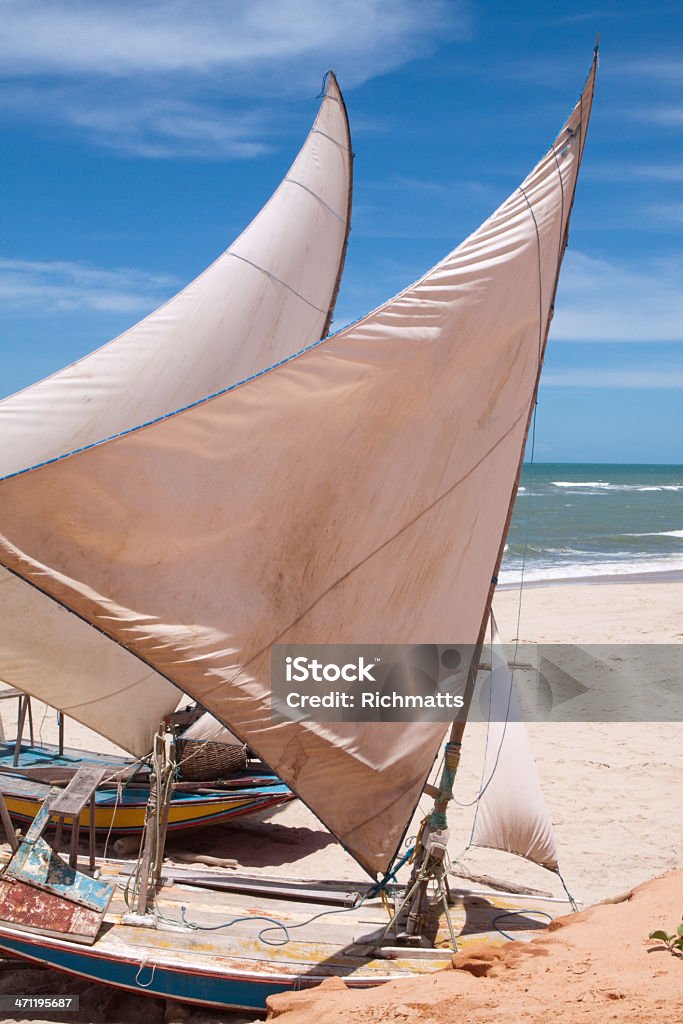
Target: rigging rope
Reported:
[(273, 924)]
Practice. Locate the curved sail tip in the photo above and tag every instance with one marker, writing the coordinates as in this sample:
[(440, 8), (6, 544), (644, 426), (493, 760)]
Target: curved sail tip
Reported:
[(332, 83)]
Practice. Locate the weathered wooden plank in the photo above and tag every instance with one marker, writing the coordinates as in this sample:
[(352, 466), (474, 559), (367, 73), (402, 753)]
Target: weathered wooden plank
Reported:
[(27, 907), (217, 952), (36, 864), (77, 794), (267, 887), (41, 819)]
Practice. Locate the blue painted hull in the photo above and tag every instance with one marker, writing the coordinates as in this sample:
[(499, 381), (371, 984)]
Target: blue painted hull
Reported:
[(236, 991)]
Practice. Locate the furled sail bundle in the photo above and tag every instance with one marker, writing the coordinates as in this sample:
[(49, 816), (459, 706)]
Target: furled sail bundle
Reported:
[(358, 492), (273, 290), (511, 814)]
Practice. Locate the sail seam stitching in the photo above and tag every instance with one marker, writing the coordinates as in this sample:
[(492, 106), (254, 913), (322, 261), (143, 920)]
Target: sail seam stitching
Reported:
[(278, 280), (319, 131), (293, 181)]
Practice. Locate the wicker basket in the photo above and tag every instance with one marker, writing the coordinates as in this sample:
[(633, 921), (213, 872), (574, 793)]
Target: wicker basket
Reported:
[(204, 760)]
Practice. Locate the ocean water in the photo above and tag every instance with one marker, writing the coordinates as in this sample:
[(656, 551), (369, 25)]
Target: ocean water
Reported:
[(592, 520)]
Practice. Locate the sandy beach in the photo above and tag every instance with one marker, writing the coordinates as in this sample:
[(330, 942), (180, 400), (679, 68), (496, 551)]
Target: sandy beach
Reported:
[(614, 790), (598, 965)]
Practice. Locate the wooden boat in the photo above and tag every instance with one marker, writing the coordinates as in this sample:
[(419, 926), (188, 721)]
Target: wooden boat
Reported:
[(121, 811), (124, 813), (235, 969), (391, 454)]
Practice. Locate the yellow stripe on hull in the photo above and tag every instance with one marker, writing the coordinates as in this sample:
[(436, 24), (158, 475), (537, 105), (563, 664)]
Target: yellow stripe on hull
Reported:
[(131, 818)]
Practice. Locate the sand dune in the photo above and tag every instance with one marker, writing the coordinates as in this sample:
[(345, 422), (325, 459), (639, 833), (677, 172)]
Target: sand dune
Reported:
[(595, 966)]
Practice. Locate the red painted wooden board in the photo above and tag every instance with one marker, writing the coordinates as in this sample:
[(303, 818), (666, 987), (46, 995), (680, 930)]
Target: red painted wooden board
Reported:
[(25, 907)]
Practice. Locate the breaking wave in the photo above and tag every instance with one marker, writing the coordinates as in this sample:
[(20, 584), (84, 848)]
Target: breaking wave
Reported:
[(604, 486)]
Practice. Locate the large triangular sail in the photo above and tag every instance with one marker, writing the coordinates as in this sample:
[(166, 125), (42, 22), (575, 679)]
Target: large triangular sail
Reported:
[(358, 492), (271, 291)]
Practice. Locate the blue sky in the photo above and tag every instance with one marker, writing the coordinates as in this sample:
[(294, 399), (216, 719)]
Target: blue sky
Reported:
[(140, 138)]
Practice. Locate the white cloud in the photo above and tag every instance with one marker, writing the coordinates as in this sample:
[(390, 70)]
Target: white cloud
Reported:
[(671, 116), (665, 68), (154, 77), (602, 300), (156, 127), (624, 172), (659, 172), (592, 378), (151, 36), (669, 213), (60, 286)]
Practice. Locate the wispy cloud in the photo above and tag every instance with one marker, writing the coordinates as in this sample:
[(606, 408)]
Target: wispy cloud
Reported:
[(665, 68), (591, 378), (602, 300), (60, 286), (425, 186), (670, 213), (246, 36), (157, 78), (625, 172), (147, 125), (671, 116)]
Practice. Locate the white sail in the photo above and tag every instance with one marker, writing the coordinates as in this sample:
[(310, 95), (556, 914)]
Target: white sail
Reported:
[(270, 293), (511, 814), (359, 492)]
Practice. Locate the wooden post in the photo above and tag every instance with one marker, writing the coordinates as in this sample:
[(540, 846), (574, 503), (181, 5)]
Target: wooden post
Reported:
[(156, 820), (58, 835), (20, 727), (75, 836), (150, 828), (169, 759), (7, 824), (91, 836)]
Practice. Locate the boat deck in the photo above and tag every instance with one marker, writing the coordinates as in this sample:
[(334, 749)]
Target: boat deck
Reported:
[(46, 756), (214, 947)]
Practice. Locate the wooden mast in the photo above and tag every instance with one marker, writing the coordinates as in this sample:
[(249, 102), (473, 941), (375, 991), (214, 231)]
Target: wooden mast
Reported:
[(458, 726), (428, 862)]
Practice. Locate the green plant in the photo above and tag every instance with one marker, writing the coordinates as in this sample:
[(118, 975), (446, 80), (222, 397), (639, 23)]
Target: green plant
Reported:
[(674, 943)]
